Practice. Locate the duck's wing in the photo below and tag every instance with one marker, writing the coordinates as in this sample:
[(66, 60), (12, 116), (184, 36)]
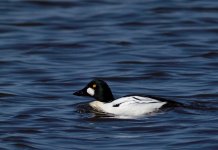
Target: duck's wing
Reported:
[(153, 99), (169, 102), (134, 100)]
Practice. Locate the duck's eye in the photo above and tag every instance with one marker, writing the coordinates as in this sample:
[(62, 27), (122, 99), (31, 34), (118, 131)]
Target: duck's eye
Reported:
[(94, 85)]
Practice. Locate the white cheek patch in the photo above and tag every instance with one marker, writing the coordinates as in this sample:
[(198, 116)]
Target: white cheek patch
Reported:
[(91, 91)]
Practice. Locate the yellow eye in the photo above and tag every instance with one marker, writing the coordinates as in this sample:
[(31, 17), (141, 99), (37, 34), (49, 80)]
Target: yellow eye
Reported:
[(94, 85)]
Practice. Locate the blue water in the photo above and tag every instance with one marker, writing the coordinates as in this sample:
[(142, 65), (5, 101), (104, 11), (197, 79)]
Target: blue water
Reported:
[(49, 49)]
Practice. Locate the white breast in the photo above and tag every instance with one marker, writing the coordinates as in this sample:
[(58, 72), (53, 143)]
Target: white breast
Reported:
[(129, 106)]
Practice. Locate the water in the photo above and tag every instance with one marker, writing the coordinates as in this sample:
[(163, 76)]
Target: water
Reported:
[(49, 49)]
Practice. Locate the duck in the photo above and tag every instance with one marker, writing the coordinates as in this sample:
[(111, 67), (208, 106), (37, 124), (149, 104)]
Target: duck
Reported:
[(130, 105)]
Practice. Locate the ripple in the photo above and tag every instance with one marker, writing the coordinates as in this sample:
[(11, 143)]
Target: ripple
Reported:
[(49, 120), (64, 4), (24, 146), (19, 142), (29, 24), (206, 95), (6, 94), (120, 79), (146, 129), (209, 55), (121, 43), (131, 62), (26, 130), (133, 24), (158, 74), (33, 111), (165, 9), (30, 71), (23, 116)]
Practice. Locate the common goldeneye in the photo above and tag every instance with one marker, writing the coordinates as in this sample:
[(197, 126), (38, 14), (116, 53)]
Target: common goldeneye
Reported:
[(125, 106)]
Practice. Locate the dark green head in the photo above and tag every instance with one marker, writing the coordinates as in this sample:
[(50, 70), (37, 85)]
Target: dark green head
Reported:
[(98, 89)]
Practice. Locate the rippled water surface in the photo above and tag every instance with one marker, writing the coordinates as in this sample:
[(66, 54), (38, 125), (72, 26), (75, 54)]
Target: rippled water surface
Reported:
[(49, 49)]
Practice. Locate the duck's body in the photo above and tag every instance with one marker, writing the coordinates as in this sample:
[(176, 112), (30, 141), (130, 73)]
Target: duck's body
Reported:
[(124, 106), (128, 106)]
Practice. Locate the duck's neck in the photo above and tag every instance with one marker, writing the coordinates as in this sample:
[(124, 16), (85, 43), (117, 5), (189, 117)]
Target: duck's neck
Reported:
[(105, 97)]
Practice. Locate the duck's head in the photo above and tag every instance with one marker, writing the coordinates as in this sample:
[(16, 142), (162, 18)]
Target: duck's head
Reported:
[(97, 89)]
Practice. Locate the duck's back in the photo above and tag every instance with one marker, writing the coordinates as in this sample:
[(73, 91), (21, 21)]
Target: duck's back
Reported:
[(133, 106)]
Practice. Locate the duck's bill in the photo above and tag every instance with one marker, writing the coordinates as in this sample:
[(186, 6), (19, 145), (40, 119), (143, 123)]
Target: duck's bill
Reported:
[(81, 93)]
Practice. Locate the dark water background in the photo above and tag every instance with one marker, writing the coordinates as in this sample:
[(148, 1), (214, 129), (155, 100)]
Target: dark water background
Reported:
[(49, 49)]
